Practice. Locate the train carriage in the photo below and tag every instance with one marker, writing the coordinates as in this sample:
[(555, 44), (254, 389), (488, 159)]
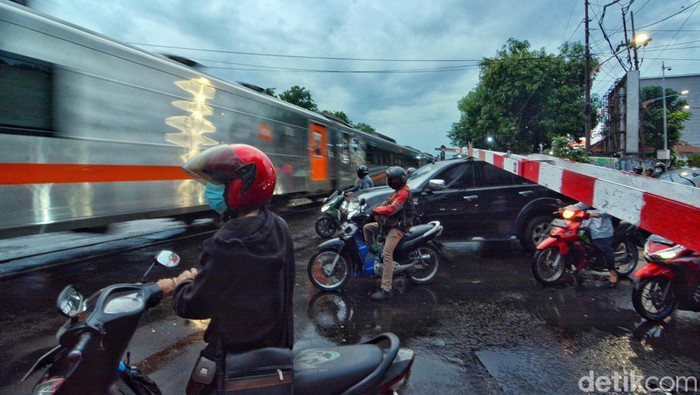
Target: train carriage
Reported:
[(94, 131)]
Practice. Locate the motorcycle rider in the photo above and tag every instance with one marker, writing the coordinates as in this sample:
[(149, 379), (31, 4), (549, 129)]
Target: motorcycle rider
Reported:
[(410, 171), (365, 180), (246, 281), (659, 169), (392, 214), (601, 227)]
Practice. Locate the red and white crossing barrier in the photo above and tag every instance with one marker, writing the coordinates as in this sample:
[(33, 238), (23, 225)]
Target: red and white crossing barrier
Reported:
[(669, 209)]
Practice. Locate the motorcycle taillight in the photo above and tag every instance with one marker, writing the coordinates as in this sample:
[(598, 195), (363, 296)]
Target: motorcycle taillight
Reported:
[(49, 385)]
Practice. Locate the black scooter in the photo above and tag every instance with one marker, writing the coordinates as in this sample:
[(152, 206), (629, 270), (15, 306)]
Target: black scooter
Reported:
[(92, 343)]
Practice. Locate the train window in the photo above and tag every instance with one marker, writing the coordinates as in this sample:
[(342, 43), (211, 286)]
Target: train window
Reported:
[(27, 104), (371, 157), (318, 141)]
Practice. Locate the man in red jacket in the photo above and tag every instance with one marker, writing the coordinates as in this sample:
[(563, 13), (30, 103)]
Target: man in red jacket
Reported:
[(391, 213)]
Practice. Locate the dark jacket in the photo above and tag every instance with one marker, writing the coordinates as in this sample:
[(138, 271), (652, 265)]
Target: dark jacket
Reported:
[(246, 268)]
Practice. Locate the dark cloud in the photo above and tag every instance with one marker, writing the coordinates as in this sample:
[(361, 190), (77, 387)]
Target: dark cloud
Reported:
[(415, 108)]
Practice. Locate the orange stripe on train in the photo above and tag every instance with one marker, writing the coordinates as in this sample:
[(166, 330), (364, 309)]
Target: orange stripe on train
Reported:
[(43, 173)]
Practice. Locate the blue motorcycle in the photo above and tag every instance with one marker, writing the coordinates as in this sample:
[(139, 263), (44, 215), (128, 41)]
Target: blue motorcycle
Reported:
[(417, 256)]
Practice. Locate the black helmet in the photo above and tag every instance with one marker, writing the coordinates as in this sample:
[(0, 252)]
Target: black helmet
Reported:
[(396, 177), (410, 171), (638, 169), (362, 171)]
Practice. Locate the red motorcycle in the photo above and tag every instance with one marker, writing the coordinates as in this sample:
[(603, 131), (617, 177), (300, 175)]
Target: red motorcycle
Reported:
[(668, 281), (569, 248)]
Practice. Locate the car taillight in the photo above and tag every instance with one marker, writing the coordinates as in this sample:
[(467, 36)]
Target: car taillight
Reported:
[(49, 385)]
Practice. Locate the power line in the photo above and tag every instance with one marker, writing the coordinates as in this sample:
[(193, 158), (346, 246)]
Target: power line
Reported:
[(305, 56), (288, 69), (671, 16)]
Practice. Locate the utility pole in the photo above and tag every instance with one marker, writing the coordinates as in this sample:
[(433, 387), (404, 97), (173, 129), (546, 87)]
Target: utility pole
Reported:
[(666, 154), (634, 42), (587, 79), (641, 109)]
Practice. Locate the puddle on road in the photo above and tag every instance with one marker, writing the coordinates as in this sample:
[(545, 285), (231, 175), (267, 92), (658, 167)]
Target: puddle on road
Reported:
[(433, 370)]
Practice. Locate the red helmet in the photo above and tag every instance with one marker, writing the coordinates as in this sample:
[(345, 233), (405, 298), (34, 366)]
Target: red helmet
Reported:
[(246, 173)]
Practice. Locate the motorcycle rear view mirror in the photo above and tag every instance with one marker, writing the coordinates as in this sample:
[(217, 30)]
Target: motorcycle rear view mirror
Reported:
[(166, 258), (70, 302), (363, 201)]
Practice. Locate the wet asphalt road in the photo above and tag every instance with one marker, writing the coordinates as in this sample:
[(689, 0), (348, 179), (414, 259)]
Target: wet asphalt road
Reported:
[(484, 325)]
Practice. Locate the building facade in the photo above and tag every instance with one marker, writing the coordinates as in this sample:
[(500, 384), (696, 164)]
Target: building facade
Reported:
[(679, 83)]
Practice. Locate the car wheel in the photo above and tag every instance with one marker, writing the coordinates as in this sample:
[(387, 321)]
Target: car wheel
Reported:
[(536, 230)]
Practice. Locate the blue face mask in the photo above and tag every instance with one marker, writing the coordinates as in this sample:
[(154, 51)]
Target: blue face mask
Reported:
[(214, 194)]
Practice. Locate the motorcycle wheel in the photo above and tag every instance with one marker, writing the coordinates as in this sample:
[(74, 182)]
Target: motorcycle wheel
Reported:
[(548, 266), (325, 227), (648, 301), (629, 249), (426, 261), (320, 274)]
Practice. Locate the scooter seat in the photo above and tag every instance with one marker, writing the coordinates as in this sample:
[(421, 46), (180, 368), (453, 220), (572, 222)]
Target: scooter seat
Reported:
[(417, 230), (333, 370)]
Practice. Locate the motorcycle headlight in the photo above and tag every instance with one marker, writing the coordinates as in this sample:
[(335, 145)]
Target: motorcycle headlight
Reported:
[(325, 208), (568, 214), (665, 254)]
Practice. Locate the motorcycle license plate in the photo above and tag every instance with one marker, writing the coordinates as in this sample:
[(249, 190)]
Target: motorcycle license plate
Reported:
[(562, 223)]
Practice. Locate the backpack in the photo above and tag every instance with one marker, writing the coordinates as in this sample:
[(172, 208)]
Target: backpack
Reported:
[(409, 213)]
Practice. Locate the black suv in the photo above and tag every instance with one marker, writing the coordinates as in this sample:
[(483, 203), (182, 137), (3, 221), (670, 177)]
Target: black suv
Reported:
[(475, 200)]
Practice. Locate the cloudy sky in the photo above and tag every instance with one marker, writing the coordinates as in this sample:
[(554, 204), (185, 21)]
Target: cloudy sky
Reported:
[(400, 66)]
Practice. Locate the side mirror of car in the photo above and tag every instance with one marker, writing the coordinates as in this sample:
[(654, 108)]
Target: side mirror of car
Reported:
[(436, 185)]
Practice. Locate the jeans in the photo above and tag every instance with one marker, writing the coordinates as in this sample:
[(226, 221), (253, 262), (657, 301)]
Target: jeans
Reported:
[(605, 245), (392, 240)]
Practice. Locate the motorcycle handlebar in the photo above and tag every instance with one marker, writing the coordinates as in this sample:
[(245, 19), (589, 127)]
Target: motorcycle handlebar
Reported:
[(76, 354)]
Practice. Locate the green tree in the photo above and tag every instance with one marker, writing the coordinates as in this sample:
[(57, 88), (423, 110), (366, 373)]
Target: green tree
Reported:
[(270, 91), (299, 96), (340, 115), (693, 160), (652, 103), (562, 147), (524, 98), (364, 127)]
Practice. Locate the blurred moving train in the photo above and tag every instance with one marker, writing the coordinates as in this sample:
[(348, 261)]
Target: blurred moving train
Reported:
[(94, 131)]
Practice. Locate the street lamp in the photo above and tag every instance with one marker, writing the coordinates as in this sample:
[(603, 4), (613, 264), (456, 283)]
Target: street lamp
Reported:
[(665, 154), (646, 103)]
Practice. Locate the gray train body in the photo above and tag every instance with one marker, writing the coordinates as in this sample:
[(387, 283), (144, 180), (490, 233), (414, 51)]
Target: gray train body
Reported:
[(93, 131)]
